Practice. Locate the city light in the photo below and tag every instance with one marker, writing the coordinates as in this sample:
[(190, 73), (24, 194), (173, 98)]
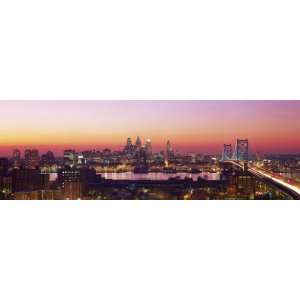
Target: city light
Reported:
[(150, 150)]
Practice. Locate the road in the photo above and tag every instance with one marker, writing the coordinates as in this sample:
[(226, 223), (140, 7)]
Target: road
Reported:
[(294, 189)]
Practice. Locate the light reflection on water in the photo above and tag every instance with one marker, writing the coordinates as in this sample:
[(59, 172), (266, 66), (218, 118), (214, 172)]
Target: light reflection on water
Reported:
[(52, 176), (152, 176), (159, 176)]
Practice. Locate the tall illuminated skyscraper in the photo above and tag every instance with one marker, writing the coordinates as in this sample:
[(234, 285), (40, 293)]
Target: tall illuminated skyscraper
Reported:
[(129, 142), (129, 146), (138, 142), (141, 161), (148, 147), (169, 150)]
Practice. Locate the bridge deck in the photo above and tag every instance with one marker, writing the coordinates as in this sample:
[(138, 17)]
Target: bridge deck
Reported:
[(288, 188)]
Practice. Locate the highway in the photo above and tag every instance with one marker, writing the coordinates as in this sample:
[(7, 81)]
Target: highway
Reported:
[(259, 172), (293, 190)]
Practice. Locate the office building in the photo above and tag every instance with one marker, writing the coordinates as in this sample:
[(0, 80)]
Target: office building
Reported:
[(31, 159)]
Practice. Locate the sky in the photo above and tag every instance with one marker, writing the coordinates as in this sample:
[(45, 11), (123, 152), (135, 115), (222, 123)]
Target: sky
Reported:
[(191, 126)]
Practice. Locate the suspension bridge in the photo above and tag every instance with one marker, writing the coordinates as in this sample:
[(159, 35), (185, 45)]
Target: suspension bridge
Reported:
[(239, 157)]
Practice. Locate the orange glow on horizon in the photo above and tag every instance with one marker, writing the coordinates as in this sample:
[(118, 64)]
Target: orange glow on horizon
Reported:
[(198, 126)]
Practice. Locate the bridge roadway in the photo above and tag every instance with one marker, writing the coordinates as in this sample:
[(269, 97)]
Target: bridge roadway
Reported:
[(289, 189)]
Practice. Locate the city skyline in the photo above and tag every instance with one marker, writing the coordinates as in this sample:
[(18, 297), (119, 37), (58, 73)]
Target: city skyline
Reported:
[(191, 126)]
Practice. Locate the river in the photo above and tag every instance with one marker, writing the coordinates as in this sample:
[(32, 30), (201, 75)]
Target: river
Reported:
[(159, 176), (152, 176)]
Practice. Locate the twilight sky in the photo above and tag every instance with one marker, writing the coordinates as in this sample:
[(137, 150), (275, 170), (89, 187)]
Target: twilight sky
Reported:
[(202, 126)]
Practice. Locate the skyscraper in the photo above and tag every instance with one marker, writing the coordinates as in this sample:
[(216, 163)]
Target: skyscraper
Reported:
[(169, 150), (141, 161), (128, 143), (16, 158), (148, 148), (69, 157), (138, 142), (31, 158), (128, 147), (48, 159)]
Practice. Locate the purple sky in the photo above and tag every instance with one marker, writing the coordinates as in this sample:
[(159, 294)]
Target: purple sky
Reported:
[(204, 126)]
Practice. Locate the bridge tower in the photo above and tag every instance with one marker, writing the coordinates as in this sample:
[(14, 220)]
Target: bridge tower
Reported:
[(241, 151), (227, 152)]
